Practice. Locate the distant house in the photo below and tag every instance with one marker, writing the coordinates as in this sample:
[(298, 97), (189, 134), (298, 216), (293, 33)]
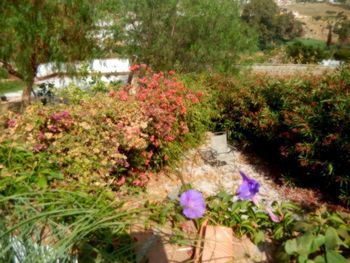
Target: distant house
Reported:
[(335, 2), (109, 70), (284, 2)]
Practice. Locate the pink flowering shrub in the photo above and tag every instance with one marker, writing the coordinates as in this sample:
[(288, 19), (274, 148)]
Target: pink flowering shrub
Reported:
[(113, 138)]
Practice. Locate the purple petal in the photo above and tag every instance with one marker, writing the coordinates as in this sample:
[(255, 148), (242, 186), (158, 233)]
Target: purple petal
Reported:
[(193, 213), (190, 196), (249, 187), (244, 176), (255, 200), (273, 217), (193, 203), (243, 191)]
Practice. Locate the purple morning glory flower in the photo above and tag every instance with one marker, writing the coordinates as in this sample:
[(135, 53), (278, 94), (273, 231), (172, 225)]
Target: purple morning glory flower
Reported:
[(193, 204), (249, 187)]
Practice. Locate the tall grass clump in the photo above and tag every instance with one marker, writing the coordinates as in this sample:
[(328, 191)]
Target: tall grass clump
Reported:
[(63, 226)]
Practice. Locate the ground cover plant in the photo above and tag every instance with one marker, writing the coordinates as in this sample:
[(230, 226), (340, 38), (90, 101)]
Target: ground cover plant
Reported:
[(301, 122), (292, 233)]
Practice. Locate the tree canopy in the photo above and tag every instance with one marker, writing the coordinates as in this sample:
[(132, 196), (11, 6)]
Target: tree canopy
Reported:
[(192, 35), (271, 23), (40, 31)]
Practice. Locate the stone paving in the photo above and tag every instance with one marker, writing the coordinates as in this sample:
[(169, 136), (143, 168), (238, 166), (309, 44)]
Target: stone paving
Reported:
[(211, 177)]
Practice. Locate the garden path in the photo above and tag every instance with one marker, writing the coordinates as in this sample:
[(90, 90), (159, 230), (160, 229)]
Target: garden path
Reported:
[(210, 178), (212, 175)]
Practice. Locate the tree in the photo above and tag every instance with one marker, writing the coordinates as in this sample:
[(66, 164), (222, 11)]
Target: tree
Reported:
[(192, 35), (272, 23), (334, 21), (288, 27), (342, 29), (40, 31)]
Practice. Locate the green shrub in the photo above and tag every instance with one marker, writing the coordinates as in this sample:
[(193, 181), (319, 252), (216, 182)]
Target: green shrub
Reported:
[(342, 54), (117, 137), (321, 237), (3, 73), (305, 54), (19, 166), (304, 122)]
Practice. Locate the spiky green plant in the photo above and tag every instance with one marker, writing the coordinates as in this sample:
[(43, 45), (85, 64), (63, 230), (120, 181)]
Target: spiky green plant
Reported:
[(62, 226)]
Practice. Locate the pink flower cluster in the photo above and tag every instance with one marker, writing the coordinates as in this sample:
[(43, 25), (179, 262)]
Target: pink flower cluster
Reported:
[(55, 123), (164, 100)]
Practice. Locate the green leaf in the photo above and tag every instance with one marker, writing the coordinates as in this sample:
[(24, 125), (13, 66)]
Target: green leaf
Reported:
[(225, 197), (41, 181), (291, 246), (333, 256), (56, 175), (330, 169), (304, 244), (303, 226), (343, 232), (332, 240), (259, 237), (302, 259), (317, 243), (248, 227), (336, 218), (278, 232), (320, 259)]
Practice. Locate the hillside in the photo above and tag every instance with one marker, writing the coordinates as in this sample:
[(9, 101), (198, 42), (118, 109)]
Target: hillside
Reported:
[(313, 15)]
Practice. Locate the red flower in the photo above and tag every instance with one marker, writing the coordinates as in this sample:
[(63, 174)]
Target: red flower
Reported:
[(123, 95), (137, 182), (11, 123), (134, 68), (40, 147), (121, 181), (192, 97), (112, 93), (169, 138)]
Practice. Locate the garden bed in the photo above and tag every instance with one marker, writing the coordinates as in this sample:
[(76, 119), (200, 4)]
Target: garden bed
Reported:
[(89, 175)]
